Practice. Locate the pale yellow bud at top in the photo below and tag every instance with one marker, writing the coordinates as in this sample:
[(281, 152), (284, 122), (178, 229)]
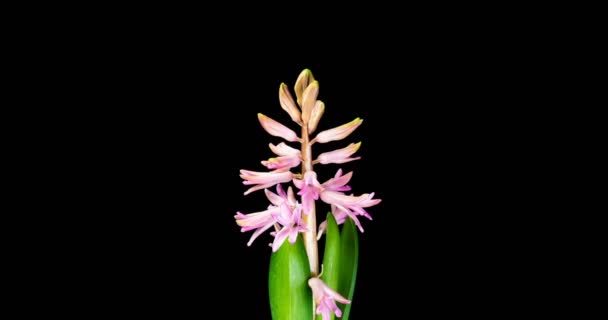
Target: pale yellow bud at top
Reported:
[(304, 79), (288, 104), (309, 99), (315, 116)]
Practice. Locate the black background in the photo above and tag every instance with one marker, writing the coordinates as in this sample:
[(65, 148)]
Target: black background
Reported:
[(175, 120)]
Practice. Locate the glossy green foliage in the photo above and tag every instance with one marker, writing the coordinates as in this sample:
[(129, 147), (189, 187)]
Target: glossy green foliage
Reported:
[(349, 259), (290, 296), (331, 259), (340, 260)]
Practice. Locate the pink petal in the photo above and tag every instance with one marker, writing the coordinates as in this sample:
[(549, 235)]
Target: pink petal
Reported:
[(291, 198), (283, 149), (334, 295), (279, 238), (340, 155), (338, 133), (280, 191), (322, 228), (273, 198), (284, 162), (338, 183), (258, 187), (298, 183), (264, 179), (333, 197), (257, 233), (276, 129)]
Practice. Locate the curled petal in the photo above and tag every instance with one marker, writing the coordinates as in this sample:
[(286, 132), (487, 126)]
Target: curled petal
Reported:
[(276, 129), (257, 233), (340, 155), (351, 214), (338, 183), (322, 228), (264, 180), (365, 200), (339, 214), (279, 238), (338, 133), (284, 215), (315, 116), (258, 187), (288, 104), (274, 198), (304, 79), (309, 99), (350, 206), (254, 220), (325, 298), (260, 221)]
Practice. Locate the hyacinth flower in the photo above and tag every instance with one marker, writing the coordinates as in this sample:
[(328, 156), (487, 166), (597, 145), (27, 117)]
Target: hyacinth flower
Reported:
[(297, 289), (325, 298)]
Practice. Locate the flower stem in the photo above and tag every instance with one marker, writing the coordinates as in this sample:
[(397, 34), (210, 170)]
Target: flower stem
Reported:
[(310, 237)]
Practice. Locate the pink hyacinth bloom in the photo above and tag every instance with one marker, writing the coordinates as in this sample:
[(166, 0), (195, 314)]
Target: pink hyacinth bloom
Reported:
[(260, 221), (338, 182), (291, 220), (341, 215), (340, 155), (350, 205), (325, 298), (288, 157), (281, 197), (309, 190), (276, 129), (338, 133), (264, 180), (263, 220)]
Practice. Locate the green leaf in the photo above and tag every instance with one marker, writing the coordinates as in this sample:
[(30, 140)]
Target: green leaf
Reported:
[(290, 296), (331, 257), (349, 259)]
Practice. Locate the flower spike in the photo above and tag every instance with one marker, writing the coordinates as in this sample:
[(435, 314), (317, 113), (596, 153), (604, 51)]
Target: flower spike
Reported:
[(292, 218)]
